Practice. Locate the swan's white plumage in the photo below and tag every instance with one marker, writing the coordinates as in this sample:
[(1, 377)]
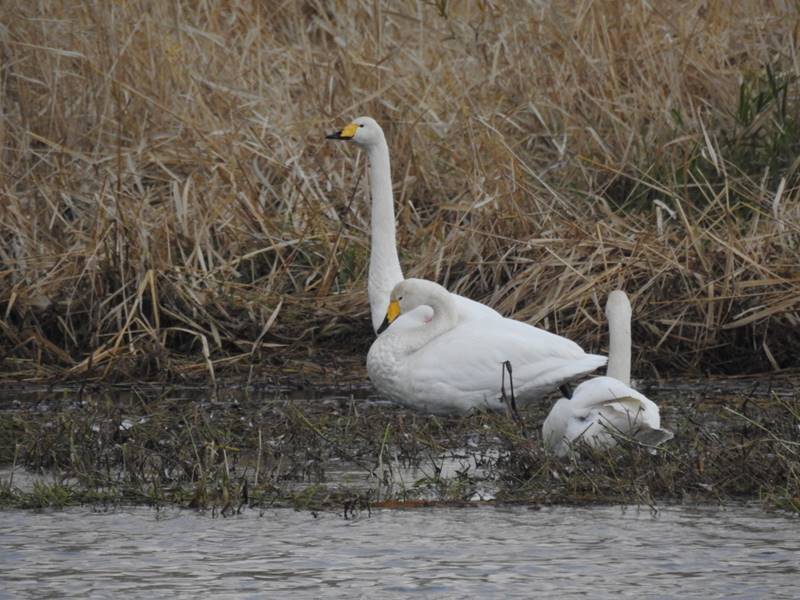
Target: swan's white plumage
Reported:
[(618, 315), (602, 408), (384, 264), (448, 365)]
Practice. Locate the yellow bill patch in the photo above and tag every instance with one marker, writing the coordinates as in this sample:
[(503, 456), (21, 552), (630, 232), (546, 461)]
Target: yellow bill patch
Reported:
[(348, 131), (394, 311)]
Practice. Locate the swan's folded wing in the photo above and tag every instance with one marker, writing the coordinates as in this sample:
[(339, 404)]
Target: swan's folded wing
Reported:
[(605, 391), (620, 405), (470, 357)]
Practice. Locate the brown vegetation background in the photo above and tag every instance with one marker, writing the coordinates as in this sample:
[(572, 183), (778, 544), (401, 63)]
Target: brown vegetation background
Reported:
[(169, 207)]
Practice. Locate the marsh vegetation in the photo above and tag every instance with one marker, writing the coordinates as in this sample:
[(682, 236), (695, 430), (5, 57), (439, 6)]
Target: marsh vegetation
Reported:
[(344, 451), (170, 210)]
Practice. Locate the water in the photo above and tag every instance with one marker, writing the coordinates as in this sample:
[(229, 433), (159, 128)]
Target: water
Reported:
[(486, 552), (482, 551)]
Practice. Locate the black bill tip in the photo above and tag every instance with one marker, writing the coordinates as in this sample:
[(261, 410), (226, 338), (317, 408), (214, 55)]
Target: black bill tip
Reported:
[(384, 325)]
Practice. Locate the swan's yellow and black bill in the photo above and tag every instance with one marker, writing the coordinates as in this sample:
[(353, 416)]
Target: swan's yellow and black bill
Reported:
[(345, 134), (391, 314)]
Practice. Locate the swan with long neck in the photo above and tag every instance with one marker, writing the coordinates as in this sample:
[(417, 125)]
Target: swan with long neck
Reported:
[(603, 408), (448, 365), (384, 264)]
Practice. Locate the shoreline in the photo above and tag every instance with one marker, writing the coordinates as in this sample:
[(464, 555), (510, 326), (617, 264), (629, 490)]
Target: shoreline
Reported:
[(324, 448)]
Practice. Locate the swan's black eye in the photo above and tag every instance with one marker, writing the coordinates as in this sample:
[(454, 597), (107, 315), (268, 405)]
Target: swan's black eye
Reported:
[(399, 298), (361, 125)]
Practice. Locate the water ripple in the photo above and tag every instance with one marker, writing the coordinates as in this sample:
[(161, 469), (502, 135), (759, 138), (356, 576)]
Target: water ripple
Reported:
[(687, 552)]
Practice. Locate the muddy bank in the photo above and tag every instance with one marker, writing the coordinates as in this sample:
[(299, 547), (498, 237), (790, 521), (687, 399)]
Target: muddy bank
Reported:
[(341, 448)]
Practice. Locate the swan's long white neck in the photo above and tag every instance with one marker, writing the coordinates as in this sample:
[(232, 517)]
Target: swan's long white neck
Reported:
[(384, 264), (445, 317), (618, 312)]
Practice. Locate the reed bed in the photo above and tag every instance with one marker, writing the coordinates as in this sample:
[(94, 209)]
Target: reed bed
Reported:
[(170, 209)]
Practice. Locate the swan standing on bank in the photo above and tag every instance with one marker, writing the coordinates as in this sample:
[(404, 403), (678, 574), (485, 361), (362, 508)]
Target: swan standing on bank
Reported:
[(604, 406), (451, 366), (384, 264)]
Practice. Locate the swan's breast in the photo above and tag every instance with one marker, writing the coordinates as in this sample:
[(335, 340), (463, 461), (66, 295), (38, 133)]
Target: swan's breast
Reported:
[(385, 362)]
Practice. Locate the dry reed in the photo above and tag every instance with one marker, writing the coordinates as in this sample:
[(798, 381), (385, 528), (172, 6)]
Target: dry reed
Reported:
[(169, 207)]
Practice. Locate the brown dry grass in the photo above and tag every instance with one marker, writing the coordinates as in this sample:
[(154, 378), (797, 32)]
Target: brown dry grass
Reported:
[(169, 205)]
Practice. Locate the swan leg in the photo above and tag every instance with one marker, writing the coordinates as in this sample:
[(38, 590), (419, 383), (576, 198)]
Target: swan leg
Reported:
[(513, 403)]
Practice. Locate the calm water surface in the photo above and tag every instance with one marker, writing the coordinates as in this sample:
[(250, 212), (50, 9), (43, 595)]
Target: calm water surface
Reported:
[(599, 552)]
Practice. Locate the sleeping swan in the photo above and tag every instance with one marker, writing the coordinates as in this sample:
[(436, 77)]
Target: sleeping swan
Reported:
[(384, 264), (450, 366), (604, 406)]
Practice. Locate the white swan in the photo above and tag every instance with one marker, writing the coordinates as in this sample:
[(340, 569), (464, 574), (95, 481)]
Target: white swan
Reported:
[(384, 264), (451, 366), (604, 406)]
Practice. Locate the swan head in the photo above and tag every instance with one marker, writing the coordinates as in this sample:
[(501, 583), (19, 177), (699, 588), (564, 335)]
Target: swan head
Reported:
[(408, 295), (364, 131)]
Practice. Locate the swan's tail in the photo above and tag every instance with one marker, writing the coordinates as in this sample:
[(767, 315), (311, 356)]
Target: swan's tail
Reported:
[(653, 437), (544, 376), (583, 366), (561, 371)]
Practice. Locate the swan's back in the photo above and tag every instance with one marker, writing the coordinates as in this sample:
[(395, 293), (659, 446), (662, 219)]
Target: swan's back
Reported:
[(468, 361), (600, 392), (470, 310)]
